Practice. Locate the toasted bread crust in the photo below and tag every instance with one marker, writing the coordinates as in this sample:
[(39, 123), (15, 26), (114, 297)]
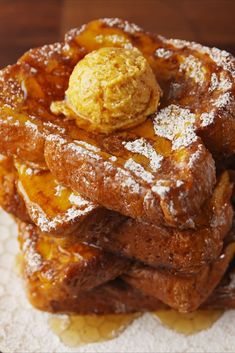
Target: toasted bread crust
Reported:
[(64, 265), (186, 251), (118, 297), (208, 73), (115, 187), (115, 297), (183, 293), (10, 200)]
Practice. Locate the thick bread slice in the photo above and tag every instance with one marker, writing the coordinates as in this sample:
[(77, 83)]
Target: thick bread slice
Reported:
[(58, 211), (10, 199), (111, 297), (192, 76), (64, 265), (171, 194), (117, 297), (67, 267), (158, 172), (182, 292)]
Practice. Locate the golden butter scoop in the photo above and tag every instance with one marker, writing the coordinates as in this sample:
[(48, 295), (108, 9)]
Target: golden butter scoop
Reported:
[(110, 89)]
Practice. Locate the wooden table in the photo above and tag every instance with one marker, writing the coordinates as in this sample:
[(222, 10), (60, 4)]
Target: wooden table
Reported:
[(29, 23)]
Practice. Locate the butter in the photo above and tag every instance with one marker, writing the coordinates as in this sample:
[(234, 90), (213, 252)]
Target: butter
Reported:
[(110, 89)]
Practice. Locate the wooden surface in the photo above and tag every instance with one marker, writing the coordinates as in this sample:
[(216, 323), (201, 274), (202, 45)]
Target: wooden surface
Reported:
[(29, 23)]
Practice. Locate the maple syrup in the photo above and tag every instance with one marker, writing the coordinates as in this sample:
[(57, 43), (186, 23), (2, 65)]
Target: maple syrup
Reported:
[(188, 323), (77, 330), (19, 264)]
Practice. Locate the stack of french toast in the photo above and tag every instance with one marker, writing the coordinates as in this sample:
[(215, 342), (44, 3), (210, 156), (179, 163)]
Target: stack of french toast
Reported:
[(138, 219)]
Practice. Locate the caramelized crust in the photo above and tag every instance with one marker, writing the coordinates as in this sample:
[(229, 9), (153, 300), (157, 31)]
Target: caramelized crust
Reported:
[(118, 297), (170, 196), (159, 172), (59, 212), (53, 283), (10, 200), (113, 297), (56, 209), (63, 266), (181, 292), (184, 250)]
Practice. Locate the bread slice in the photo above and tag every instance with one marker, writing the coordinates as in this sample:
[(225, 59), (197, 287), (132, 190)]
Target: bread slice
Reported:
[(159, 172), (117, 297), (10, 199), (58, 211), (182, 292), (64, 266), (53, 283)]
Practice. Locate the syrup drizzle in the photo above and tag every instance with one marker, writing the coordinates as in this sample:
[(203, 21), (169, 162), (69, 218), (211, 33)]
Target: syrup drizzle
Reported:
[(189, 323), (77, 330)]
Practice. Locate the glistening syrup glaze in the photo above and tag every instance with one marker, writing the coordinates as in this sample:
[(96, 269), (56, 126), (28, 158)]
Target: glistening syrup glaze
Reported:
[(42, 77), (76, 330), (189, 323)]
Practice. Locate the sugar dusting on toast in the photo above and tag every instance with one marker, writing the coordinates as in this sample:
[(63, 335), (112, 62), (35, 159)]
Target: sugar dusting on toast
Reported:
[(193, 69), (126, 26), (71, 215), (144, 148), (177, 125), (138, 170)]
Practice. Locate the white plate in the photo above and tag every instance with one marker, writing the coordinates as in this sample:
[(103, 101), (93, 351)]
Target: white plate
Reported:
[(24, 329)]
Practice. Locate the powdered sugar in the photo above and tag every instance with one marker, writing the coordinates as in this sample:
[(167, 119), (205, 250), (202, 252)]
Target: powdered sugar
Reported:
[(26, 329), (193, 68), (79, 200), (88, 146), (59, 190), (31, 125), (161, 190), (207, 118), (138, 170), (177, 125), (33, 259), (223, 100), (144, 148), (77, 148), (47, 224), (195, 156), (220, 57), (127, 181), (125, 25), (163, 53), (221, 82)]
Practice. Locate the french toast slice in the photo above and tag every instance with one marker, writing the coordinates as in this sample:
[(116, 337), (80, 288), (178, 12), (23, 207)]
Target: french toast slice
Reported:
[(10, 199), (171, 196), (56, 210), (184, 293), (47, 290), (158, 172), (117, 297), (63, 264), (191, 76)]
